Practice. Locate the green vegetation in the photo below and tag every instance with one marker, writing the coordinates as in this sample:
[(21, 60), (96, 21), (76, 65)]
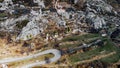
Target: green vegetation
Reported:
[(107, 48), (87, 38), (114, 58), (83, 56), (3, 14), (22, 24), (111, 59), (70, 45), (79, 37), (79, 43)]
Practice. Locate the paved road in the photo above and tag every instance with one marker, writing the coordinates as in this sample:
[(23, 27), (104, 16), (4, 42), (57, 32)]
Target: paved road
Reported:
[(55, 52)]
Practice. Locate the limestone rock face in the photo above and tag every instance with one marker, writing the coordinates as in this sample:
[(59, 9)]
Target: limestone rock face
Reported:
[(96, 11), (96, 21), (92, 14), (9, 24), (100, 6), (5, 4), (29, 31)]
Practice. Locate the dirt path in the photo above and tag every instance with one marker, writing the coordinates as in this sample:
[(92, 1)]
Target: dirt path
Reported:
[(96, 58)]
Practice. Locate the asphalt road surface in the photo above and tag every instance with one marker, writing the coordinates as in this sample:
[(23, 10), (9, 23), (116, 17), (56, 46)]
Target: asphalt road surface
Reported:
[(55, 52)]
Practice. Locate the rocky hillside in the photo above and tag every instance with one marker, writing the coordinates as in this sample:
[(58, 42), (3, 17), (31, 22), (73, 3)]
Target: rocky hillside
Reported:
[(28, 26)]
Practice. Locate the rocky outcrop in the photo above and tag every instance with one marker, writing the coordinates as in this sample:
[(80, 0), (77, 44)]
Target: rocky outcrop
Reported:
[(94, 13), (96, 21), (9, 24), (100, 6), (29, 31)]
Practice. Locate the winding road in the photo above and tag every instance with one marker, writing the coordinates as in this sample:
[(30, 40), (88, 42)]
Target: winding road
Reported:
[(55, 52)]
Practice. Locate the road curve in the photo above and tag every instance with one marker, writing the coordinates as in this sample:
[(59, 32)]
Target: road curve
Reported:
[(55, 52)]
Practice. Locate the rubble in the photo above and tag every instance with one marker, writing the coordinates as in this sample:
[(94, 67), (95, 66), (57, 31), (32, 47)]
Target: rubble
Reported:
[(35, 26), (9, 24)]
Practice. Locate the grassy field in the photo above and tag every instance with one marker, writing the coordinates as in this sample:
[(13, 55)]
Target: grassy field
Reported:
[(78, 40), (107, 48), (114, 58), (80, 37)]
